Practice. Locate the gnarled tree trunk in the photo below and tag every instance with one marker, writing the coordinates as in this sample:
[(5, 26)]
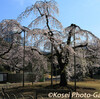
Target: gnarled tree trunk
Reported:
[(63, 80)]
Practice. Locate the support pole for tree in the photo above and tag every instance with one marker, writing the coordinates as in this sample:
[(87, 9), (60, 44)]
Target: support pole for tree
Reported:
[(56, 74), (23, 57), (74, 65), (51, 64)]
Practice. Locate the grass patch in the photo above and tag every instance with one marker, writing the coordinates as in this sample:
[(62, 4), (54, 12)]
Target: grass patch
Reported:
[(88, 84)]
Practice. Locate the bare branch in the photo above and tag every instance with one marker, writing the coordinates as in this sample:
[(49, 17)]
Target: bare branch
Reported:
[(73, 26), (7, 50), (82, 45), (35, 49)]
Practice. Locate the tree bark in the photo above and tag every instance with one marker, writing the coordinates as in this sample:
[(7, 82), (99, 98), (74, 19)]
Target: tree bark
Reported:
[(63, 80)]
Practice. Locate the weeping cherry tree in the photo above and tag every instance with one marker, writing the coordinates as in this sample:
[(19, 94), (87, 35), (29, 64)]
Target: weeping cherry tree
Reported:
[(45, 30)]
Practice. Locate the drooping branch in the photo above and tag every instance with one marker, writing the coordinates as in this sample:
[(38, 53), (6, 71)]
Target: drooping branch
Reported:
[(39, 11), (35, 49), (47, 23), (4, 58), (69, 38), (70, 34), (82, 45), (7, 50), (89, 49), (57, 51), (26, 29)]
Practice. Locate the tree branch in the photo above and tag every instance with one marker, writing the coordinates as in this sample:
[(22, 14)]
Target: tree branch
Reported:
[(39, 11), (35, 49), (70, 34), (7, 50), (89, 49), (4, 58), (82, 45)]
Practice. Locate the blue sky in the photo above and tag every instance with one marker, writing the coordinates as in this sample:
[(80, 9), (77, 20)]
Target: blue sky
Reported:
[(85, 13)]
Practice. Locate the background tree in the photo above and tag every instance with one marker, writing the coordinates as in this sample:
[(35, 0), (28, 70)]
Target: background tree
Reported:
[(9, 34), (11, 49), (92, 57)]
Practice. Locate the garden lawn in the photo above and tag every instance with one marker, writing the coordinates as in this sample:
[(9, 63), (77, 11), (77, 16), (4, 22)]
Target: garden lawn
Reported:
[(88, 84)]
